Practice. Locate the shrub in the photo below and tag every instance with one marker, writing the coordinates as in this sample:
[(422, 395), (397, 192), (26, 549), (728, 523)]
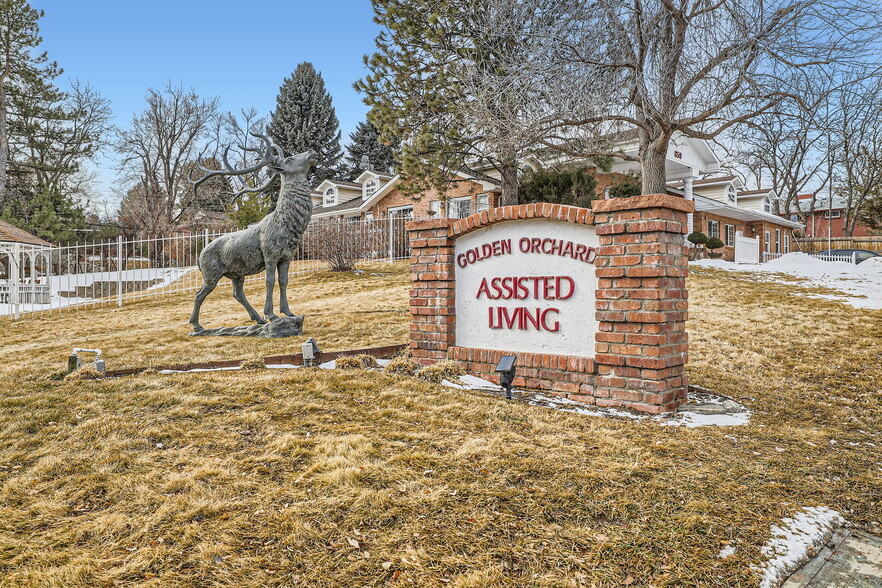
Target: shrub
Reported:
[(697, 238), (630, 185), (402, 366), (573, 186), (712, 244), (347, 362), (339, 243), (253, 364)]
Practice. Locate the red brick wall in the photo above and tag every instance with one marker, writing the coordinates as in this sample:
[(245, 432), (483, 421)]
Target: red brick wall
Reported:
[(420, 202), (641, 303)]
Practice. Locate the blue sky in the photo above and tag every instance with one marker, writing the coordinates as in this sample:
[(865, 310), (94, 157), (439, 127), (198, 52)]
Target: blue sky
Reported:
[(237, 51)]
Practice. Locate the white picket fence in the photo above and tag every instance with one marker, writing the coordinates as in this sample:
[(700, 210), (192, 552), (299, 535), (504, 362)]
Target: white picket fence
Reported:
[(844, 258), (113, 273)]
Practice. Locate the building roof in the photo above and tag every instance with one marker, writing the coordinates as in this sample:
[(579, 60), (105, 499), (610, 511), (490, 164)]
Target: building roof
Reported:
[(353, 204), (760, 192), (12, 234), (704, 204)]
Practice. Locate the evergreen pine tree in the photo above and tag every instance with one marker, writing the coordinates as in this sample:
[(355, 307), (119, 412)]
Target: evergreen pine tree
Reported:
[(305, 119), (366, 141)]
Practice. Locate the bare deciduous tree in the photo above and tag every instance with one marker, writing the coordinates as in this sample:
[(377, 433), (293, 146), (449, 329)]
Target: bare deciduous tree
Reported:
[(699, 67), (161, 144)]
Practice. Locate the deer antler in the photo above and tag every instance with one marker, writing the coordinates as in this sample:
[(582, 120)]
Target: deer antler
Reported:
[(269, 154)]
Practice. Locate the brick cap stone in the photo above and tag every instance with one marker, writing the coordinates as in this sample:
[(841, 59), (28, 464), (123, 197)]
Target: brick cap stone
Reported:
[(430, 223), (646, 201), (537, 210)]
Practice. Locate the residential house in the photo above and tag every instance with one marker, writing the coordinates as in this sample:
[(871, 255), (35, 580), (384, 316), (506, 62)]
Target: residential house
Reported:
[(724, 208), (723, 205), (827, 219)]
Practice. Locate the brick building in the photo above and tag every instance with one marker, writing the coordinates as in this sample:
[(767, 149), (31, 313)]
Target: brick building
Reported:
[(827, 219), (723, 207)]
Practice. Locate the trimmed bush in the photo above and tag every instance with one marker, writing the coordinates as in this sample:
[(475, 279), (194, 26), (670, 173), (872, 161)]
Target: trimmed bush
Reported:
[(712, 244), (697, 238)]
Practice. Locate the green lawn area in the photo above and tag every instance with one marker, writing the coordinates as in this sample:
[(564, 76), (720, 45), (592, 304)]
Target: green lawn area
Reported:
[(357, 478)]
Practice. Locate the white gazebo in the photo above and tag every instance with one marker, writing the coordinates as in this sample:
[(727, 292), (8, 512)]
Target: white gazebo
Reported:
[(23, 257)]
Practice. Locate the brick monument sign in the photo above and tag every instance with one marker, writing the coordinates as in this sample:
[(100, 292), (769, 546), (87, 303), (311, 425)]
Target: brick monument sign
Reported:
[(591, 301)]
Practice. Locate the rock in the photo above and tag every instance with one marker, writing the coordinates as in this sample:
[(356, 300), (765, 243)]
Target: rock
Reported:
[(704, 408), (731, 406), (284, 326)]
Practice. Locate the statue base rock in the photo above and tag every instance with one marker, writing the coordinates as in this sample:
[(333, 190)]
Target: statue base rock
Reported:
[(284, 326)]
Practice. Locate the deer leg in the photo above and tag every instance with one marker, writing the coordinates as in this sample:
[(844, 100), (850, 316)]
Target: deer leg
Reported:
[(207, 287), (239, 295), (283, 289), (271, 269)]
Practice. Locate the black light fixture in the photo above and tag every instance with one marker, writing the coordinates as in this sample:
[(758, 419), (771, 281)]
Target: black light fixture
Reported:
[(311, 352), (506, 370)]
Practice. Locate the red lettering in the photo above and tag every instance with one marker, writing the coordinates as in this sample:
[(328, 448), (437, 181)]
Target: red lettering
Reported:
[(591, 255), (568, 249), (534, 245), (544, 317), (461, 260), (527, 316), (522, 291), (483, 288), (580, 252), (506, 246), (546, 242), (571, 283), (494, 283), (524, 244)]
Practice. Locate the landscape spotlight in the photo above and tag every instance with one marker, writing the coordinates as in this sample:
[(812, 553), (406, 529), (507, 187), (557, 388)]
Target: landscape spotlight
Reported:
[(74, 362), (506, 370), (311, 352)]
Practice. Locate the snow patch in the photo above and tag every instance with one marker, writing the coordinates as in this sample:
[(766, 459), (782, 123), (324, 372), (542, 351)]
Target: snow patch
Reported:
[(727, 551), (797, 539), (857, 285)]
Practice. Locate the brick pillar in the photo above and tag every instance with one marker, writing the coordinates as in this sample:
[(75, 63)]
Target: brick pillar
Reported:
[(432, 297), (641, 343)]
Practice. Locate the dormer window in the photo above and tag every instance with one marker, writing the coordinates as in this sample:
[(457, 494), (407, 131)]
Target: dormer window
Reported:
[(731, 195), (330, 197), (767, 204), (370, 187)]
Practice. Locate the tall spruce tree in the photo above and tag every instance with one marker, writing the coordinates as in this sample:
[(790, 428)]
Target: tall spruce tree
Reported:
[(20, 69), (305, 119), (366, 141)]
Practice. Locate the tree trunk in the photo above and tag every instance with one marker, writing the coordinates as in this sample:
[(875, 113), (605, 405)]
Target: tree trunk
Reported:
[(653, 155), (509, 185), (4, 143)]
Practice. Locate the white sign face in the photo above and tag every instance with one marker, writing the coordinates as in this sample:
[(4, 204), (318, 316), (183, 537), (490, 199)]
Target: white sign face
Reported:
[(527, 285)]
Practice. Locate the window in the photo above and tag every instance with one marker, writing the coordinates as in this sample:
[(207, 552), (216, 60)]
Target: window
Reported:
[(459, 207), (777, 240), (730, 235), (833, 214), (713, 229), (768, 242), (370, 187), (786, 243), (434, 208), (330, 197), (482, 202), (369, 216), (731, 195), (767, 204)]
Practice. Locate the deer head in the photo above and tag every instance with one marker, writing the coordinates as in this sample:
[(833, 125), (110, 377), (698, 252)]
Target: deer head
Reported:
[(272, 158)]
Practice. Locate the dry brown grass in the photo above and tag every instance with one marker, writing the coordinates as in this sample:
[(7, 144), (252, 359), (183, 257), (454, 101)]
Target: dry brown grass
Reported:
[(358, 478)]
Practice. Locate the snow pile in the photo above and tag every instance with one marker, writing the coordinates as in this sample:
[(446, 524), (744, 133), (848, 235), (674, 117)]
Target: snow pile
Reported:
[(796, 540), (860, 285)]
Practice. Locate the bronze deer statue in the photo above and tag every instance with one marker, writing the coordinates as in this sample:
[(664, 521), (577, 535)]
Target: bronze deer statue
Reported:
[(268, 244)]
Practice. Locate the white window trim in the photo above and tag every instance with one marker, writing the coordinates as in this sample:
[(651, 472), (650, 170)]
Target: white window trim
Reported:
[(730, 242), (713, 228), (777, 240), (768, 241), (332, 201), (456, 201), (786, 243), (368, 192), (832, 214)]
